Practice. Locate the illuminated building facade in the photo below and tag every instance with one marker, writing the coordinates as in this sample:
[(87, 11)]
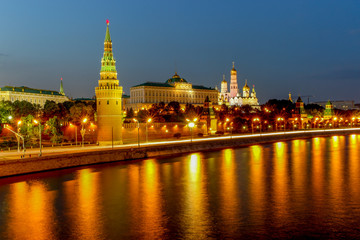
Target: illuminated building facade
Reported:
[(235, 99), (175, 89), (32, 95), (108, 98)]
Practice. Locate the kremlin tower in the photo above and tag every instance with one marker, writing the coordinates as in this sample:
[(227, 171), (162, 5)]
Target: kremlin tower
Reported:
[(233, 82), (108, 98)]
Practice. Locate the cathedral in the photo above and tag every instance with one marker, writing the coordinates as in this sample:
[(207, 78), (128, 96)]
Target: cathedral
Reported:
[(234, 98)]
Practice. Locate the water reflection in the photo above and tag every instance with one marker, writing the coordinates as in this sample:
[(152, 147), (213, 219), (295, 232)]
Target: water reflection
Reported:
[(229, 191), (31, 211), (195, 220), (306, 188), (83, 203)]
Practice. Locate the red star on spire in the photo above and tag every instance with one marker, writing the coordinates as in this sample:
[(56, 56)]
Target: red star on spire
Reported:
[(107, 21), (61, 79)]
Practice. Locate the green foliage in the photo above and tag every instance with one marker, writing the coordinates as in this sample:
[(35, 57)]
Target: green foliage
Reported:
[(28, 129), (53, 129), (80, 111), (25, 108), (6, 110)]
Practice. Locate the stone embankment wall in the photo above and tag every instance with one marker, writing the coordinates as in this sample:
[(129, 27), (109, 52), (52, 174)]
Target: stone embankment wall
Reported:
[(30, 165)]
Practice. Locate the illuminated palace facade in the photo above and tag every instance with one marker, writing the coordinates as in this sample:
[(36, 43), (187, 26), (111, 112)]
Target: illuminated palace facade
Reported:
[(175, 89), (32, 95), (234, 98), (109, 98)]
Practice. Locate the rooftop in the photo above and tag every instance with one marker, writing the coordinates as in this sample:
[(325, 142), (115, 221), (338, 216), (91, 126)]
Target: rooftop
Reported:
[(29, 90)]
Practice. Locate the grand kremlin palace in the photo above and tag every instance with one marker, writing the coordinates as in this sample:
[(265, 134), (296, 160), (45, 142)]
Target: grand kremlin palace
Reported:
[(32, 95), (175, 89)]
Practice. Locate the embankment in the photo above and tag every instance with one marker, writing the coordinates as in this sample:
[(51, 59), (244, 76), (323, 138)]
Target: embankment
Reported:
[(66, 160)]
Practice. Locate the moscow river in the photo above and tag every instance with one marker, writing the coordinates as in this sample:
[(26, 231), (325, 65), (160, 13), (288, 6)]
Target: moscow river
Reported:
[(297, 189)]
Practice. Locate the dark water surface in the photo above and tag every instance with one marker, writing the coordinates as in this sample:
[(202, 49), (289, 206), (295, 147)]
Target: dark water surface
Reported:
[(298, 189)]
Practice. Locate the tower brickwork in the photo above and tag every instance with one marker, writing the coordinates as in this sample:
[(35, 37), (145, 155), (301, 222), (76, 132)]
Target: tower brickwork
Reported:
[(233, 82), (108, 98)]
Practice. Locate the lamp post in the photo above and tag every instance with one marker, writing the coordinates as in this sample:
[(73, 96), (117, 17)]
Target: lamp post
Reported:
[(252, 124), (146, 128), (83, 131), (38, 122), (138, 127), (17, 135), (191, 125)]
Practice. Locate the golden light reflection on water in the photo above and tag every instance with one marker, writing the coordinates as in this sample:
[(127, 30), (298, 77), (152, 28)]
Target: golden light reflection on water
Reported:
[(83, 198), (299, 164), (257, 187), (281, 181), (196, 215), (318, 165), (336, 170), (152, 221), (228, 189), (354, 166), (31, 213)]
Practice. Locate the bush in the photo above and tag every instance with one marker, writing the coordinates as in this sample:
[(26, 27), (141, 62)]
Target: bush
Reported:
[(219, 132), (200, 134), (177, 135)]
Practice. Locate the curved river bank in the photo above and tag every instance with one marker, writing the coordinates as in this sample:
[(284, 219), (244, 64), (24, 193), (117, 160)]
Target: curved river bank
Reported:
[(300, 188)]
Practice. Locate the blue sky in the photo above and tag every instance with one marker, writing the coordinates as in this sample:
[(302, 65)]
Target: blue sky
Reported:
[(305, 47)]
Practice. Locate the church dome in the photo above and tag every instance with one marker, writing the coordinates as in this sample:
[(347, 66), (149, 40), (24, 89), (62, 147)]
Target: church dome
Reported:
[(246, 86), (233, 70), (175, 78)]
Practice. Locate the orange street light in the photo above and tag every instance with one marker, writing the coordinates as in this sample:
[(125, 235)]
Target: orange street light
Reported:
[(38, 122)]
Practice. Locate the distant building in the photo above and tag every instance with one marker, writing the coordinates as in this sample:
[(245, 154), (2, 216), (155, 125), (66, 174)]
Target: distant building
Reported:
[(175, 89), (32, 95), (329, 110), (234, 98), (342, 105)]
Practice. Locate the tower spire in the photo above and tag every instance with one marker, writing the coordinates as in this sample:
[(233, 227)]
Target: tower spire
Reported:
[(108, 68), (61, 88), (107, 36)]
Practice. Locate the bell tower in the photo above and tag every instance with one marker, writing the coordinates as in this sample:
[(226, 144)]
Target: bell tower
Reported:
[(233, 82), (108, 98)]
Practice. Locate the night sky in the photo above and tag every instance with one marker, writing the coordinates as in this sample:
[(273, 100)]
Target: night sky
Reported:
[(307, 47)]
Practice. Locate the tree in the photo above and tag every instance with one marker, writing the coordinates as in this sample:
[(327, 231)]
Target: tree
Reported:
[(80, 111), (130, 113), (50, 110), (54, 130), (6, 110), (24, 108), (28, 129)]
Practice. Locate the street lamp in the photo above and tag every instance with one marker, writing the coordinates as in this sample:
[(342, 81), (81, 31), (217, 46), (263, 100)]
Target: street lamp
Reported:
[(252, 124), (191, 125), (38, 122), (138, 127), (146, 127), (18, 135), (75, 133), (83, 131)]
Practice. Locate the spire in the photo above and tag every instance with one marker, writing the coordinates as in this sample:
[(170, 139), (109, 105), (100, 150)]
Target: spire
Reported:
[(224, 81), (61, 88), (290, 99), (107, 36), (108, 68), (233, 65)]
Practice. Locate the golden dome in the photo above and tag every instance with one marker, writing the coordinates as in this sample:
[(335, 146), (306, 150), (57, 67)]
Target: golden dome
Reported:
[(246, 86), (233, 70)]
